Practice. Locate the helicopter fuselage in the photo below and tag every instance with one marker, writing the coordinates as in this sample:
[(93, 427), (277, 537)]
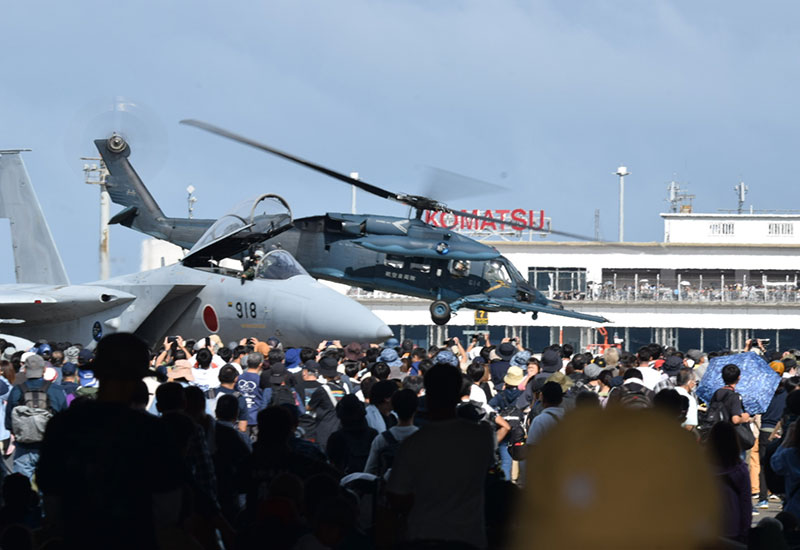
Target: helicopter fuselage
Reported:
[(404, 256)]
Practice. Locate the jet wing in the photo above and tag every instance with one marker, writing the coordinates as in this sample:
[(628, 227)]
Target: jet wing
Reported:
[(37, 304), (481, 301)]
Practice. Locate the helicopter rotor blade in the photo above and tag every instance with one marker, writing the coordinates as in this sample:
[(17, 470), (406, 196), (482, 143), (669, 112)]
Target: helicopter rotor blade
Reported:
[(415, 201), (364, 186)]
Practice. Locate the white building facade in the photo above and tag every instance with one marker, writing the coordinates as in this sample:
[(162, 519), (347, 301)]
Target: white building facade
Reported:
[(716, 280)]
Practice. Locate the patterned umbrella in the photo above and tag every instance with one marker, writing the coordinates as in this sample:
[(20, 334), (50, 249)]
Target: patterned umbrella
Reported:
[(756, 386)]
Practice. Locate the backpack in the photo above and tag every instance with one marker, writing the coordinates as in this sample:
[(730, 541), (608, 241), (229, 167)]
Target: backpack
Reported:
[(29, 419), (516, 437), (715, 412), (635, 397), (283, 394), (358, 447), (87, 392), (387, 454)]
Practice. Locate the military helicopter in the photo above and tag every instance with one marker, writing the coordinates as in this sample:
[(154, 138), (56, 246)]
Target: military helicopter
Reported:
[(400, 255)]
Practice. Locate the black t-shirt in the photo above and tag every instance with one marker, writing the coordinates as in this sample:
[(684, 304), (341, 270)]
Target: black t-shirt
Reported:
[(116, 459), (731, 402)]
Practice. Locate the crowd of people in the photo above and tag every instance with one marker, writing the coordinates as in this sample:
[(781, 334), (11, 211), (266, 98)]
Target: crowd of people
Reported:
[(199, 444)]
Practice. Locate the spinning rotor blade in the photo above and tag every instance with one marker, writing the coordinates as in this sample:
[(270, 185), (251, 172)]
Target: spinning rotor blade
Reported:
[(414, 201), (384, 194)]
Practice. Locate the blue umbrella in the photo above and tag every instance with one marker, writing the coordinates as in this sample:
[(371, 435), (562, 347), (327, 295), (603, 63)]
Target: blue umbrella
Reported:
[(756, 386)]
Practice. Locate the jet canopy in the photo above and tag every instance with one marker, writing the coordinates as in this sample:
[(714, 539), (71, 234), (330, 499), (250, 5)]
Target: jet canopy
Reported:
[(251, 221), (278, 265)]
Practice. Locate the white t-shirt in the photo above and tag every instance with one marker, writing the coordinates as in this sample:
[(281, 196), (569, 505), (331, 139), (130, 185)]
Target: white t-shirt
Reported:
[(691, 414), (477, 394), (444, 466), (651, 377), (380, 443)]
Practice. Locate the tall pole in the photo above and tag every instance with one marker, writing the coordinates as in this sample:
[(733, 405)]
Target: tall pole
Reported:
[(622, 171), (105, 215), (96, 174)]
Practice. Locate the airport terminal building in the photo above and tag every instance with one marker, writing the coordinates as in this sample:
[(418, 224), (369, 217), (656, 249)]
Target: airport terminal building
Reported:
[(715, 281)]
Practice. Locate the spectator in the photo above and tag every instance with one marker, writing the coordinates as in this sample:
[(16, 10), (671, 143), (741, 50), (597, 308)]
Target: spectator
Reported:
[(685, 384), (348, 447), (443, 498), (551, 414), (29, 408), (248, 384), (384, 447), (733, 480), (100, 444), (324, 400)]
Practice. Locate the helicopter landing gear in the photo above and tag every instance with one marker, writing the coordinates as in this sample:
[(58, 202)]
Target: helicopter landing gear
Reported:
[(535, 315), (440, 312)]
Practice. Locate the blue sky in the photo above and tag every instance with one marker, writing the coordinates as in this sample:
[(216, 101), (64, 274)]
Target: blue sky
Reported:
[(544, 98)]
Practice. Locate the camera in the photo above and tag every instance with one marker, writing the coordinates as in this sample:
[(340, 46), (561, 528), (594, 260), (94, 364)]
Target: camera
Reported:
[(172, 339)]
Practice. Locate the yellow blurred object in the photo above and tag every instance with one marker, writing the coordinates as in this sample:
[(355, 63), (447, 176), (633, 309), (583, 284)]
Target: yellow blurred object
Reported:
[(618, 479)]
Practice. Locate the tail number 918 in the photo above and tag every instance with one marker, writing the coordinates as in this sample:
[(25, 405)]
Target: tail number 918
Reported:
[(246, 310)]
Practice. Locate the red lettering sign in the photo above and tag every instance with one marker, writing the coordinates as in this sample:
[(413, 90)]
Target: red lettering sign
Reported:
[(500, 220)]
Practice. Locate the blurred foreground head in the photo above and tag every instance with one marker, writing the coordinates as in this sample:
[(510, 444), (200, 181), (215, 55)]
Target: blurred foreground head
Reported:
[(121, 356), (613, 479)]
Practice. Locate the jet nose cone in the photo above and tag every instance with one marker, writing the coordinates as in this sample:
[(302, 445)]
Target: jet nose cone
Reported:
[(334, 316)]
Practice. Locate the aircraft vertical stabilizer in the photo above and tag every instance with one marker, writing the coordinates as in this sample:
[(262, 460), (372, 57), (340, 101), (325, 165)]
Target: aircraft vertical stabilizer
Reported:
[(141, 211), (36, 258)]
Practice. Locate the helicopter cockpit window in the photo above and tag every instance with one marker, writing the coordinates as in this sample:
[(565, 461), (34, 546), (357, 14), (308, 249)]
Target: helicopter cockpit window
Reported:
[(459, 268), (279, 265), (514, 272), (495, 272)]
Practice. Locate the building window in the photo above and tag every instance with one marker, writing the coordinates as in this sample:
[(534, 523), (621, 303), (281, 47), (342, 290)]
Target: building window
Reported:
[(721, 228), (781, 229), (559, 282)]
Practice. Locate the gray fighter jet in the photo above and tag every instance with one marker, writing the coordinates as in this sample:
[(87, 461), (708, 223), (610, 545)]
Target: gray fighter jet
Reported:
[(279, 298)]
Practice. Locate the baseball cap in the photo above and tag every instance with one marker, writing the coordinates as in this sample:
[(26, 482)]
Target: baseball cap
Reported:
[(84, 356), (311, 366), (34, 366), (592, 371), (278, 373)]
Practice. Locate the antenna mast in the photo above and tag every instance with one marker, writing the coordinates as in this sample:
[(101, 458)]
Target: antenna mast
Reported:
[(741, 192)]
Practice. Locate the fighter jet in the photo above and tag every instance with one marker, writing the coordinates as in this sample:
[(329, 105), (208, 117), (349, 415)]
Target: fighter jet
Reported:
[(280, 299)]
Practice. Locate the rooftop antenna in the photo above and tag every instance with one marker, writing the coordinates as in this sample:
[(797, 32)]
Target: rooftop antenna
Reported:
[(191, 199), (741, 192), (597, 224), (678, 202)]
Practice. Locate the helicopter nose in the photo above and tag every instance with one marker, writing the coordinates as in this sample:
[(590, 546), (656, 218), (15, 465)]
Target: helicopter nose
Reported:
[(333, 316)]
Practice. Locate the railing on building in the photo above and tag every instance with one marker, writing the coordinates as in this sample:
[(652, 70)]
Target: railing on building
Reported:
[(736, 293)]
